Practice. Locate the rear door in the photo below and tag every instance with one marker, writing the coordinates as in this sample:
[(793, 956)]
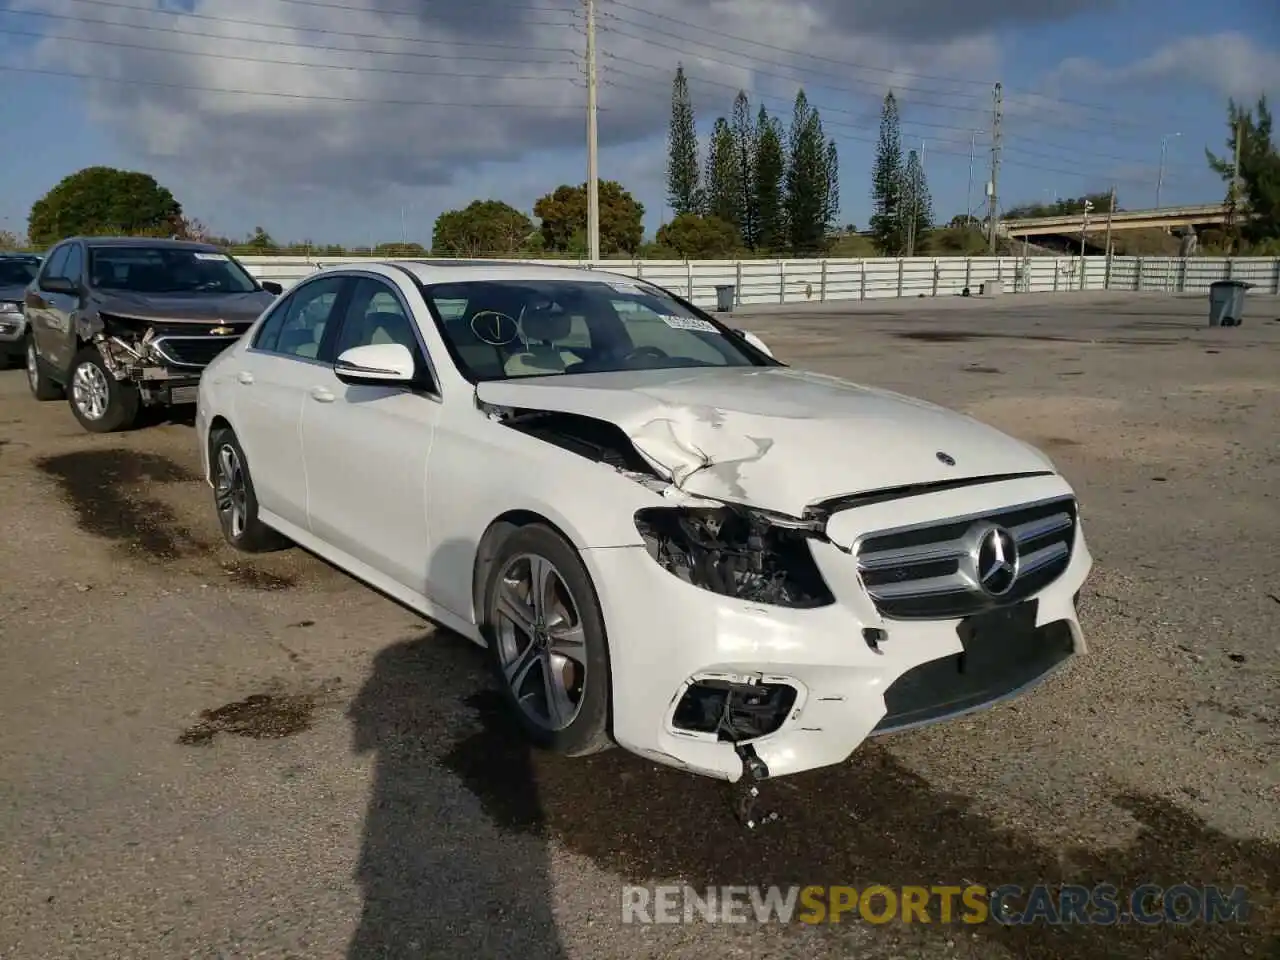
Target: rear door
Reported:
[(271, 380)]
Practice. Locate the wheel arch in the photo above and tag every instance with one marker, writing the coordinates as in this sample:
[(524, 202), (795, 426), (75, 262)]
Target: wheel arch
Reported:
[(219, 422)]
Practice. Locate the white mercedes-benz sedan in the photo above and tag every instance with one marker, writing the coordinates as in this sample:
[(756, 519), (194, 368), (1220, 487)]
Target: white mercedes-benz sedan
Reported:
[(665, 538)]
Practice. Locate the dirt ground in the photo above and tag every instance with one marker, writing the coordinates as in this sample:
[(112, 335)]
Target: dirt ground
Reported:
[(210, 756)]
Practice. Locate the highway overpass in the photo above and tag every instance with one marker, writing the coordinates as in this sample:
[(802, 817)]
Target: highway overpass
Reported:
[(1205, 215)]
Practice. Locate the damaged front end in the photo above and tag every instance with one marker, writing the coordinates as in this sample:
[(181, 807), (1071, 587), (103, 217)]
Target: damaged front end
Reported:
[(163, 360)]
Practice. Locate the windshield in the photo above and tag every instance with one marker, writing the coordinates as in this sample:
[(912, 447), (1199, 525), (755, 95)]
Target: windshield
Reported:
[(17, 273), (502, 329), (144, 269)]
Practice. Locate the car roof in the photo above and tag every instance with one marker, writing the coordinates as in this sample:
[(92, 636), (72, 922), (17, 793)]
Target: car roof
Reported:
[(460, 271), (161, 242)]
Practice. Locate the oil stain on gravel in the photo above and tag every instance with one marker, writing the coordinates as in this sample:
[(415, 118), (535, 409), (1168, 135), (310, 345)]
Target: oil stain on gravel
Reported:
[(263, 716), (867, 821), (255, 578), (106, 488)]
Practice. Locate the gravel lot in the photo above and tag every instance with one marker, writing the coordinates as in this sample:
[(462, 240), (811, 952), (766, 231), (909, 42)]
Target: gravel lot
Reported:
[(370, 802)]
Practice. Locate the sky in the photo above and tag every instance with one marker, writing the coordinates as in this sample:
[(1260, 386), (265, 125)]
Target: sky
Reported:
[(360, 121)]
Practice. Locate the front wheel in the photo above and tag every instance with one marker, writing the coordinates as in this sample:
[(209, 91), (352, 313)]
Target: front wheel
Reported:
[(547, 643), (99, 401)]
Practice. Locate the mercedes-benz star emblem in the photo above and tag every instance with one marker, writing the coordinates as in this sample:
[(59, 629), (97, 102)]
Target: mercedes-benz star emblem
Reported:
[(946, 458), (997, 561)]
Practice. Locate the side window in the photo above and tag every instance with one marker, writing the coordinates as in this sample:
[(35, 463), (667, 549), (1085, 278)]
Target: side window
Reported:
[(57, 261), (375, 315), (74, 267), (296, 327)]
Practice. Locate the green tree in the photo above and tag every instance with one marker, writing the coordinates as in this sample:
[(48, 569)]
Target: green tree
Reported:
[(398, 249), (723, 190), (103, 200), (698, 238), (917, 204), (810, 190), (886, 182), (10, 241), (744, 149), (683, 193), (1065, 207), (261, 242), (482, 228), (770, 171), (1257, 197), (563, 213)]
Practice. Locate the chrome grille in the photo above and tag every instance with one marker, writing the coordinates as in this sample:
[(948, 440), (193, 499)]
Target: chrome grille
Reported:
[(191, 351), (929, 571)]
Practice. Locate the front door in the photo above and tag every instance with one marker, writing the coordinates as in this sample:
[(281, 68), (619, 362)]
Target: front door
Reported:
[(366, 447)]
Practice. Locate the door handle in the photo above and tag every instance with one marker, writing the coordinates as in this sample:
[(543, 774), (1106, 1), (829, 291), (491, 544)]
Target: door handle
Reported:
[(245, 377), (322, 395)]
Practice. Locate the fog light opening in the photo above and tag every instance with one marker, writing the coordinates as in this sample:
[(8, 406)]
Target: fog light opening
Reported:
[(734, 711)]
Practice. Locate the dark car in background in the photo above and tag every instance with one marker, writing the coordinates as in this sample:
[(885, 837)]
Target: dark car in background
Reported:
[(17, 270), (116, 324)]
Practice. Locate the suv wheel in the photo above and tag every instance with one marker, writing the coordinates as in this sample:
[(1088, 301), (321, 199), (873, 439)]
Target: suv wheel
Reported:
[(42, 388), (99, 401)]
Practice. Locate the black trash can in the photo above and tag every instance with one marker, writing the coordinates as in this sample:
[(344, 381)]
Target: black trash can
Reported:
[(1226, 302), (724, 297)]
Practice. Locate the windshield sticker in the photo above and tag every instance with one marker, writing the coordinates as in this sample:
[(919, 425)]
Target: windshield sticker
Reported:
[(625, 286), (689, 323), (211, 256)]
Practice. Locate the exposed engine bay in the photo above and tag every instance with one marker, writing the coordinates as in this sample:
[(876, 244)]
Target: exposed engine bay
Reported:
[(163, 359)]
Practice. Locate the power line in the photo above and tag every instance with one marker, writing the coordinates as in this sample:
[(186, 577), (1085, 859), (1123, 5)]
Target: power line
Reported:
[(292, 63), (277, 26), (286, 96)]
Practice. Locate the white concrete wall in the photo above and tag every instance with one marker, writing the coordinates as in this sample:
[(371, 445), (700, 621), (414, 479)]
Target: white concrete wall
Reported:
[(800, 281)]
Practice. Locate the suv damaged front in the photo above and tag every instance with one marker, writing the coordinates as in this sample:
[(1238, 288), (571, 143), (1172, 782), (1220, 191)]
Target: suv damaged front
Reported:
[(158, 316)]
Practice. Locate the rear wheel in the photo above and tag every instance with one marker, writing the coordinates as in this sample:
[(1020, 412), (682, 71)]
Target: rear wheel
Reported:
[(234, 498), (99, 401), (42, 388), (547, 642)]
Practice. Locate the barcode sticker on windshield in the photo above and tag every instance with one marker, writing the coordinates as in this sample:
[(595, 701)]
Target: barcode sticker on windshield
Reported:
[(625, 286), (211, 256), (689, 323)]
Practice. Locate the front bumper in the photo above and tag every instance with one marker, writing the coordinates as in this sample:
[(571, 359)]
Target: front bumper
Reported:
[(13, 332), (665, 634)]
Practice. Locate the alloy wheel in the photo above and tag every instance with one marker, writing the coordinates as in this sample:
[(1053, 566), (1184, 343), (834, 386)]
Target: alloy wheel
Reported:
[(89, 391), (541, 644), (231, 491)]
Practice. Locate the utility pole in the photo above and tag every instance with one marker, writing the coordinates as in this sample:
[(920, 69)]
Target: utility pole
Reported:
[(1164, 150), (593, 184), (992, 195), (1111, 209), (968, 197)]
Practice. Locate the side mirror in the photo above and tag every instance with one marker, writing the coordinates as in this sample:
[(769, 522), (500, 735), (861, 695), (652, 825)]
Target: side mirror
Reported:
[(58, 285), (755, 341), (272, 287), (376, 364)]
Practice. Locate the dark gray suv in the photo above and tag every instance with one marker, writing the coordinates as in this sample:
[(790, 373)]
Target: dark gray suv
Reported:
[(116, 324), (16, 271)]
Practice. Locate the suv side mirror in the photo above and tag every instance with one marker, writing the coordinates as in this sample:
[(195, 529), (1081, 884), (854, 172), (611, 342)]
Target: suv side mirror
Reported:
[(272, 287), (376, 364), (58, 285)]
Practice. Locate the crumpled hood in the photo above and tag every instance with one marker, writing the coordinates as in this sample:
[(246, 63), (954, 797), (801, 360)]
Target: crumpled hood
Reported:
[(238, 309), (775, 437)]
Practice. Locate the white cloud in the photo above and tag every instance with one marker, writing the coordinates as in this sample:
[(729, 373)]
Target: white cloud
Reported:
[(369, 132)]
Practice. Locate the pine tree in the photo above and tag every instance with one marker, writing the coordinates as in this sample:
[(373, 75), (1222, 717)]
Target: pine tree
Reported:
[(831, 167), (683, 193), (917, 205), (723, 191), (887, 182), (770, 169), (808, 180), (744, 145)]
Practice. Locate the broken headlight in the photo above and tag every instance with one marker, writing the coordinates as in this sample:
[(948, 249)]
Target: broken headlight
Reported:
[(735, 552)]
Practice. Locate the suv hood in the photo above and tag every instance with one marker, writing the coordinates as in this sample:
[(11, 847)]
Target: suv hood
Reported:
[(13, 294), (776, 438), (238, 309)]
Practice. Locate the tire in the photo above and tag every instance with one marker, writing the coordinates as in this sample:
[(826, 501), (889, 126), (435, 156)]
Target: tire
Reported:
[(580, 725), (42, 388), (234, 499), (99, 401)]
